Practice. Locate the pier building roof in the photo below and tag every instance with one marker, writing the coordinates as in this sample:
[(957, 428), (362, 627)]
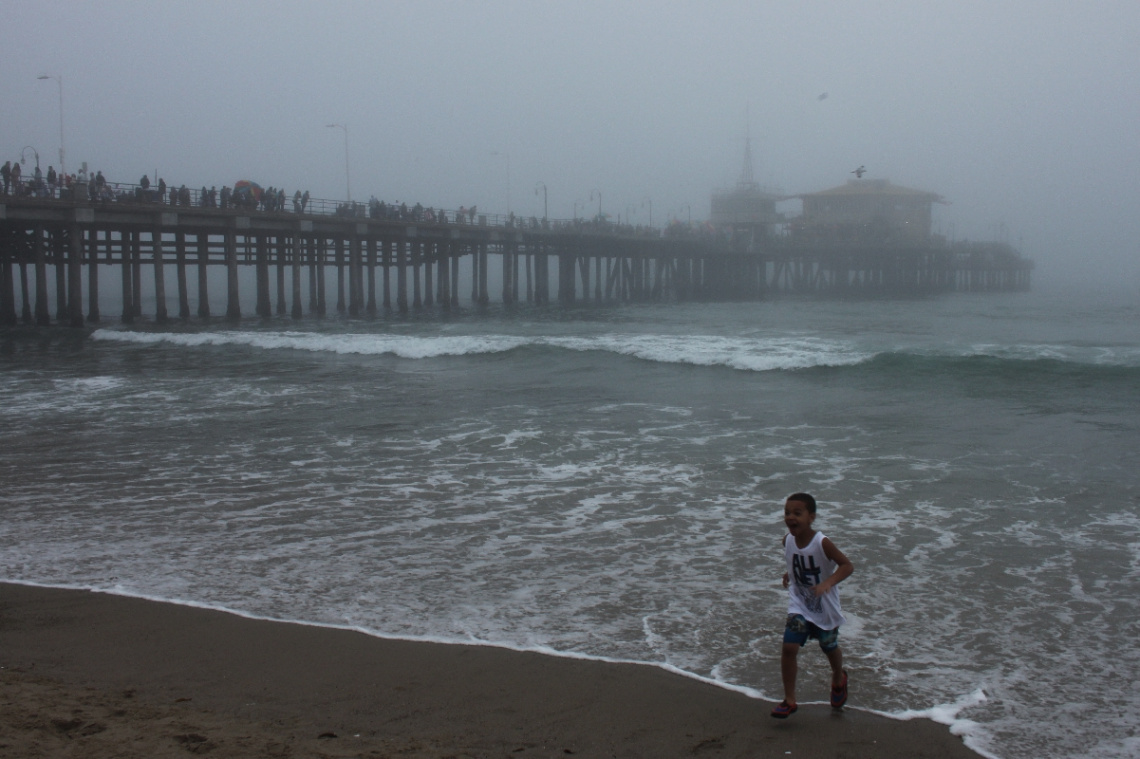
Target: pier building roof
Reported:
[(875, 187), (870, 206)]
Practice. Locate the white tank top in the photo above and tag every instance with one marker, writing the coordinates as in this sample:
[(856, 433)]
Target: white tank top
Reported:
[(808, 567)]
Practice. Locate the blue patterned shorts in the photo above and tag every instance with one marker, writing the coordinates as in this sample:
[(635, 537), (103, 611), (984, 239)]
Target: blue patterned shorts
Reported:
[(798, 630)]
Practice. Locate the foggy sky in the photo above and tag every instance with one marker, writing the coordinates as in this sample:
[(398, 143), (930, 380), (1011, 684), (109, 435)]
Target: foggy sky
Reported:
[(1024, 114)]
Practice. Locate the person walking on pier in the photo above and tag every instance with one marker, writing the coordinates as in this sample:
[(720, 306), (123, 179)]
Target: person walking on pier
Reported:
[(304, 201), (161, 190), (6, 175)]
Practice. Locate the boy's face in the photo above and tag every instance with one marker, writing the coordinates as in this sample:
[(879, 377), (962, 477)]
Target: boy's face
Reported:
[(797, 518)]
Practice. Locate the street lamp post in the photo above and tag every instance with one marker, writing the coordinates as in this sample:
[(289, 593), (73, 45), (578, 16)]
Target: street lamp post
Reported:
[(347, 181), (24, 158), (507, 156), (59, 81), (599, 194), (543, 186)]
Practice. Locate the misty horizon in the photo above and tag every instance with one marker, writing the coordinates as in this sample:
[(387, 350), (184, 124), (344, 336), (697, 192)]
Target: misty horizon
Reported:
[(1020, 116)]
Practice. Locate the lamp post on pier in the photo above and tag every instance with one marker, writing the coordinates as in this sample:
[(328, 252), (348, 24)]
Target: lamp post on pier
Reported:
[(58, 80), (24, 157), (347, 181), (507, 156), (543, 186)]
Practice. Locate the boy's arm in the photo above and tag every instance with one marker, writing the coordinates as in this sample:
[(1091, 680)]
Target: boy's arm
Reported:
[(784, 542), (843, 570)]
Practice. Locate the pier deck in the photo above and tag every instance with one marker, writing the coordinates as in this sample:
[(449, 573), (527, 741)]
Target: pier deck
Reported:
[(399, 265)]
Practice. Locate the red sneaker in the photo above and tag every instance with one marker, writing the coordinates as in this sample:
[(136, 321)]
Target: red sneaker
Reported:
[(839, 693), (784, 710)]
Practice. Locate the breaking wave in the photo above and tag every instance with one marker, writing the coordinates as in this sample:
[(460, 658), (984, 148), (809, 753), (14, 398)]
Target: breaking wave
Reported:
[(745, 353)]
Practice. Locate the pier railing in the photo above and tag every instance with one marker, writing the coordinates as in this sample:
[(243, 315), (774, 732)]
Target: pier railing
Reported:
[(126, 193)]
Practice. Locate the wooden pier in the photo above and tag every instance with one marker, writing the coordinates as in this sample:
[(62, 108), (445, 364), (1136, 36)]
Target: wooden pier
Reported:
[(53, 253)]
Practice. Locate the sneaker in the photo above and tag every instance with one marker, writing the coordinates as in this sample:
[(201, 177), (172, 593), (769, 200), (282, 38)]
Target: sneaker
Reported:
[(839, 693), (784, 710)]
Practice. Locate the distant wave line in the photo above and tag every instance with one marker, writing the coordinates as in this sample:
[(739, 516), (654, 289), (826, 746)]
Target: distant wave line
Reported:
[(742, 353), (751, 354)]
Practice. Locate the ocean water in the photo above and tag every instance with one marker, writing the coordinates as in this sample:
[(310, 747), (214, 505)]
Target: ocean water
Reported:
[(608, 482)]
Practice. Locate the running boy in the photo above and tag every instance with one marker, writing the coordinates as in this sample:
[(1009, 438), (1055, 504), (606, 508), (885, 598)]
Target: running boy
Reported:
[(815, 567)]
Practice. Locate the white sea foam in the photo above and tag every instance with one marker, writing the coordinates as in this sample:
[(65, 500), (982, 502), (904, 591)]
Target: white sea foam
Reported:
[(1095, 355), (749, 354), (89, 384), (397, 345), (950, 714)]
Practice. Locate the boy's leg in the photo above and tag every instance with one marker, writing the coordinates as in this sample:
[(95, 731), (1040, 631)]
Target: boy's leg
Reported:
[(795, 635), (838, 678), (789, 667), (835, 659)]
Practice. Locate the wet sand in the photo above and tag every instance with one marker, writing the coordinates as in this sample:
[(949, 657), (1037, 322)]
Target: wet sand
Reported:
[(95, 675)]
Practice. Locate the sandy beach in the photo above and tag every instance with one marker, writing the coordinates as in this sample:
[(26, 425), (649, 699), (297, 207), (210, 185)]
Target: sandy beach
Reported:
[(96, 675)]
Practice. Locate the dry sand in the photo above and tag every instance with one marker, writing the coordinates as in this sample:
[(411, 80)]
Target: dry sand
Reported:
[(94, 675)]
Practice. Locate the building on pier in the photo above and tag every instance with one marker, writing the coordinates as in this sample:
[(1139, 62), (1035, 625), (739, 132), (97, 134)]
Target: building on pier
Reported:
[(745, 214), (867, 210)]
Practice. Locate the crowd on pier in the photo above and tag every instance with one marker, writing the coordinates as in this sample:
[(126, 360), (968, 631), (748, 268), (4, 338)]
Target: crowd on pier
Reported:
[(398, 211), (250, 196), (37, 184)]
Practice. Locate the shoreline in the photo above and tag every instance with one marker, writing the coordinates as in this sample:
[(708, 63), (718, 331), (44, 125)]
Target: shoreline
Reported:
[(105, 673)]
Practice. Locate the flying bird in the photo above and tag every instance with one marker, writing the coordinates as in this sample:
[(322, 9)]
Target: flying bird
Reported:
[(859, 172), (823, 96)]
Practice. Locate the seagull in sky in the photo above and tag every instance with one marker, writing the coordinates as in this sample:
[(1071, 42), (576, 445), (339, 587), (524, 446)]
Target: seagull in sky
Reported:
[(859, 172)]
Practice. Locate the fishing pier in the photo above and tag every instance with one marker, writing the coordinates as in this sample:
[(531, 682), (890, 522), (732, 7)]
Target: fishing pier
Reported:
[(55, 253)]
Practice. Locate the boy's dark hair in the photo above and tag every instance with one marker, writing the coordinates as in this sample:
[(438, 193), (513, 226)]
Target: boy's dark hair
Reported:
[(805, 499)]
